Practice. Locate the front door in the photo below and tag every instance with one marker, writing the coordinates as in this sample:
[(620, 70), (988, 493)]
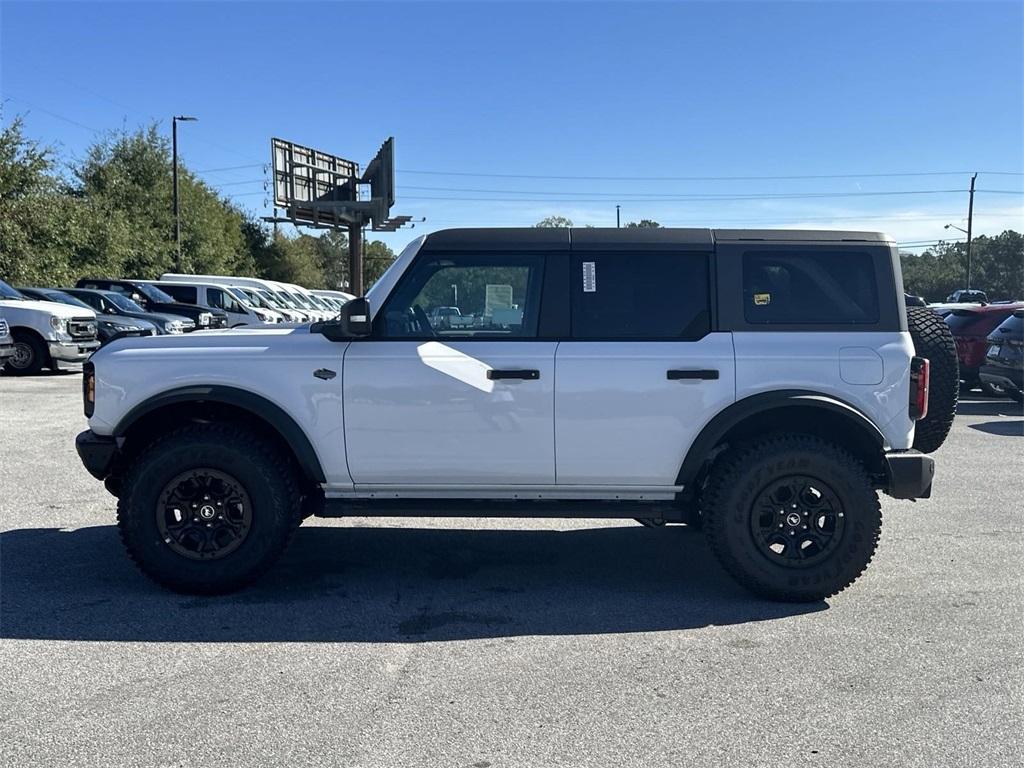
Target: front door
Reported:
[(642, 372), (454, 388)]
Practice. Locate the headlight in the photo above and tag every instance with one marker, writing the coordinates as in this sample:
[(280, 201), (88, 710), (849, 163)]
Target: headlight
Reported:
[(205, 318), (59, 324), (261, 315), (174, 327), (128, 327)]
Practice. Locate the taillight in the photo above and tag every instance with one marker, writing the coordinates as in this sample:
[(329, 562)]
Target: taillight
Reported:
[(920, 372), (88, 389)]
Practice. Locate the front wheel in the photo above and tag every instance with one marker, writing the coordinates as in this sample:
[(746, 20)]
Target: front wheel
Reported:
[(208, 508), (792, 518), (30, 354)]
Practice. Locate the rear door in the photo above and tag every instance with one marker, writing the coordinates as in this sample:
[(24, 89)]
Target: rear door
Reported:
[(463, 401), (642, 372)]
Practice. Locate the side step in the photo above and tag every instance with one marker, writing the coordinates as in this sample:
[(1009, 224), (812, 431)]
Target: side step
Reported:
[(575, 509)]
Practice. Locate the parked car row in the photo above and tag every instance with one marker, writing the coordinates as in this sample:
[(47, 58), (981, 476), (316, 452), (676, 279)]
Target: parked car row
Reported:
[(43, 326), (988, 339)]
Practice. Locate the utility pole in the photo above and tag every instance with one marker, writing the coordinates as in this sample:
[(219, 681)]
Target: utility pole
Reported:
[(355, 259), (970, 222), (618, 221), (174, 179)]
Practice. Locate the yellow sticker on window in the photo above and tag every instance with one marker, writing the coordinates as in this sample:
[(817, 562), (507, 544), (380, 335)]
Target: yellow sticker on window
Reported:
[(761, 299)]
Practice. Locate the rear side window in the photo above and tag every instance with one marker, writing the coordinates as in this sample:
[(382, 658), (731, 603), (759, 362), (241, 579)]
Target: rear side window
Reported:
[(809, 287), (631, 295)]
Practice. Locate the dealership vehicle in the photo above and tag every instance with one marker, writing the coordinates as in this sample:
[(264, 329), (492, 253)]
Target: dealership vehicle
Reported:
[(763, 384), (971, 327), (219, 297), (1002, 372), (967, 295), (6, 341), (288, 303), (108, 326), (117, 304), (339, 298), (152, 299), (45, 333)]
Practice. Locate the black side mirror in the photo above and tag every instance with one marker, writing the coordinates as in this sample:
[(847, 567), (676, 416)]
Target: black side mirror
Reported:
[(353, 322)]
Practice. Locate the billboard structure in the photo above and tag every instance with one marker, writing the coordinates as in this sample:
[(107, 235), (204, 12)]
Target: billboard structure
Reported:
[(324, 191)]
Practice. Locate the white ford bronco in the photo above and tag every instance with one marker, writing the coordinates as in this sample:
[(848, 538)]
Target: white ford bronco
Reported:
[(764, 385)]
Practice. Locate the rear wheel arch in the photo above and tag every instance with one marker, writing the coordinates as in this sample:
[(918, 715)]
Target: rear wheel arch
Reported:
[(166, 411), (785, 411)]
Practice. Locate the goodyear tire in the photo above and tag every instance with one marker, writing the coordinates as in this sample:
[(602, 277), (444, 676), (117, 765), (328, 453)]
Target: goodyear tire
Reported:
[(933, 340), (208, 508), (792, 517)]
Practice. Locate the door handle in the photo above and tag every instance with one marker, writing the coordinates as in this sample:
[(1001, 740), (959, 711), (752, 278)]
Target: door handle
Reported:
[(526, 373), (706, 374)]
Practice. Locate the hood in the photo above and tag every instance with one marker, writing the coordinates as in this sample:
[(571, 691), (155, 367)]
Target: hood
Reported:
[(221, 344), (11, 308), (135, 319)]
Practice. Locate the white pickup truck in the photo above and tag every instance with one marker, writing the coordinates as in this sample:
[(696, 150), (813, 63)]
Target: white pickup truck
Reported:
[(765, 385), (45, 332)]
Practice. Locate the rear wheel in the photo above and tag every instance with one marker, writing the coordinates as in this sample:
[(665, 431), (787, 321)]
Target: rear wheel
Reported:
[(208, 508), (792, 518), (933, 340), (30, 354)]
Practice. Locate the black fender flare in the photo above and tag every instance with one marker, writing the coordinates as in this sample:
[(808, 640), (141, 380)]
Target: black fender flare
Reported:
[(257, 405), (755, 405)]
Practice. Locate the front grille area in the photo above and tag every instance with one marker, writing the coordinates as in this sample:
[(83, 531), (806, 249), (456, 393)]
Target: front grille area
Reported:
[(4, 328), (82, 328)]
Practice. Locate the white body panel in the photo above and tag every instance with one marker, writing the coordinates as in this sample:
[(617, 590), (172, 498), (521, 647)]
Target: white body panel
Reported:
[(767, 361), (277, 364), (620, 421), (424, 412)]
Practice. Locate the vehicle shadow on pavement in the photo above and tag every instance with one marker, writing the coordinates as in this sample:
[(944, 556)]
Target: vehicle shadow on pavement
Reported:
[(1014, 428), (989, 408), (368, 584)]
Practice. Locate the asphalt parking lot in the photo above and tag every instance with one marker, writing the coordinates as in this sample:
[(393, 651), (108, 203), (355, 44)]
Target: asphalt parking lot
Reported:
[(507, 643)]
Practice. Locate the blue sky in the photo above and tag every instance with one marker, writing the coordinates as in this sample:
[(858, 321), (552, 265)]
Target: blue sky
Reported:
[(490, 102)]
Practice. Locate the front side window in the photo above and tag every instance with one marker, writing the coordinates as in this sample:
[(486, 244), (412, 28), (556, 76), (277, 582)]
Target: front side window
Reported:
[(640, 295), (809, 287), (467, 296)]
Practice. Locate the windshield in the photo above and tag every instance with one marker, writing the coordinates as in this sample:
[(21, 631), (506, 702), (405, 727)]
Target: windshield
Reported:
[(64, 298), (124, 303), (301, 301), (268, 298), (155, 294), (286, 299), (244, 299), (6, 292)]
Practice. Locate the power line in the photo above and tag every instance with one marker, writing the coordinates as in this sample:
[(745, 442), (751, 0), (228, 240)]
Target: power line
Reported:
[(709, 198), (707, 178)]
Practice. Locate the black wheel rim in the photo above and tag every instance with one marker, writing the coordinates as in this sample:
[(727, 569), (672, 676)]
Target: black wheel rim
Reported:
[(23, 354), (204, 514), (797, 521)]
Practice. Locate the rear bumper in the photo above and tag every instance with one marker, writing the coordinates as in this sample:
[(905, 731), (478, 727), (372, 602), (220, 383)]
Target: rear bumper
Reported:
[(72, 351), (97, 453), (910, 474)]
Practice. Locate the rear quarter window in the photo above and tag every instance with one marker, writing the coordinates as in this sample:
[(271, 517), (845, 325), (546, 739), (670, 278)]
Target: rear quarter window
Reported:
[(820, 287)]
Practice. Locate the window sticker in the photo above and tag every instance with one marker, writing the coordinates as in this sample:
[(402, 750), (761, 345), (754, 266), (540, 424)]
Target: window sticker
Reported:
[(589, 277), (762, 299)]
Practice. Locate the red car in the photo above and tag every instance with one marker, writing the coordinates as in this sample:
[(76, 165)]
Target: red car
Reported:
[(970, 328)]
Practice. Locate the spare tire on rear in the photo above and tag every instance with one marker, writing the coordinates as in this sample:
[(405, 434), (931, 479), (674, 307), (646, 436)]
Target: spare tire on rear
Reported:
[(933, 340)]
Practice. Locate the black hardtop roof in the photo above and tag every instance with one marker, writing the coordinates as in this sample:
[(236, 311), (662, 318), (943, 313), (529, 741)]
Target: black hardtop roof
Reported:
[(610, 238)]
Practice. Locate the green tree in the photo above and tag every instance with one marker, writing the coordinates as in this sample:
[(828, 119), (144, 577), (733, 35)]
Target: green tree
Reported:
[(643, 224), (553, 222), (997, 268)]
